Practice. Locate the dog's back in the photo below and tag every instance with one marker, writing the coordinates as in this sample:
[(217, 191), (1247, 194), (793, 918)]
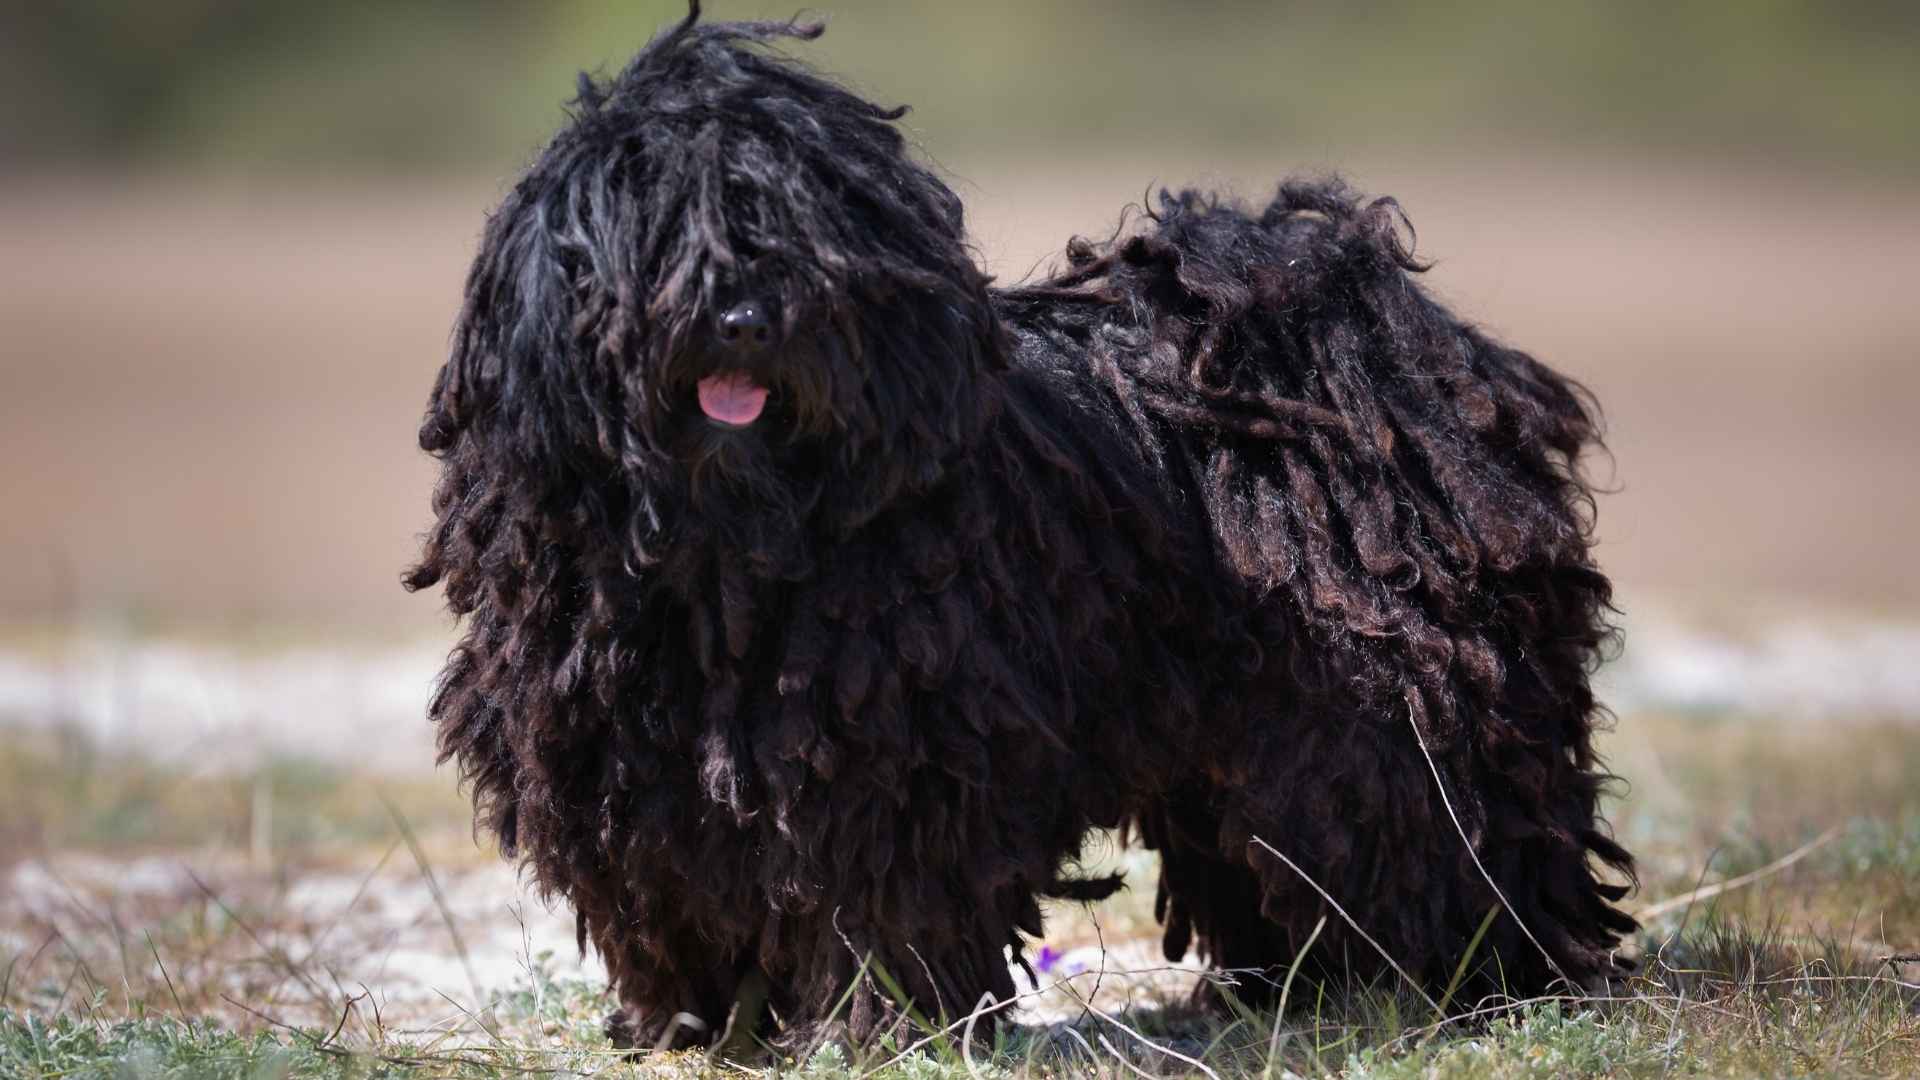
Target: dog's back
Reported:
[(1401, 499)]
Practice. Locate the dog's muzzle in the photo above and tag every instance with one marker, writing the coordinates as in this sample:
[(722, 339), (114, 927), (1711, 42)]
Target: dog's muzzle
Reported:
[(732, 396)]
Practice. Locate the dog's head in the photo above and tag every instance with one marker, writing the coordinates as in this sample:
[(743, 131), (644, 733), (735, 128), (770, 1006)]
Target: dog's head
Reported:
[(724, 306)]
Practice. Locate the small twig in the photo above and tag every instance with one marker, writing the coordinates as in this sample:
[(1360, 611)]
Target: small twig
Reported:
[(1364, 936), (319, 939), (276, 956), (378, 1033), (345, 1012), (1506, 1005), (67, 988), (985, 1005), (1175, 1054), (6, 984), (1673, 1034), (1900, 958), (412, 1061), (1686, 913), (1122, 1059), (1708, 892), (966, 1022), (473, 1016), (928, 972), (335, 1051), (1100, 939), (1063, 981), (433, 888), (1082, 1040), (80, 970), (179, 1008)]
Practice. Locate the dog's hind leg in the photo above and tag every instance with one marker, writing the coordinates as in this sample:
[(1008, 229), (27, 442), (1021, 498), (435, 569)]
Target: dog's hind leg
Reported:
[(672, 1000), (1215, 904)]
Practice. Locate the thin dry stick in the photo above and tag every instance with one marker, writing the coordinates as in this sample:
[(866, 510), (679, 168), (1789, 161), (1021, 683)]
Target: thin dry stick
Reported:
[(980, 1008), (1144, 1041), (433, 888), (1441, 786), (80, 969), (966, 1022), (979, 1011), (471, 1016), (412, 1061), (1673, 1034), (928, 972), (340, 916), (314, 942), (345, 1011), (1660, 954), (1063, 981), (1100, 937), (6, 981), (1084, 1044), (276, 956), (307, 1036), (179, 1008), (1348, 919), (1506, 1005), (1882, 980), (1121, 1058), (1708, 892)]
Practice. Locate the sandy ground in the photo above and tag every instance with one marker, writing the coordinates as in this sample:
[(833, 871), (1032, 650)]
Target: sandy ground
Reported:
[(327, 935), (211, 387)]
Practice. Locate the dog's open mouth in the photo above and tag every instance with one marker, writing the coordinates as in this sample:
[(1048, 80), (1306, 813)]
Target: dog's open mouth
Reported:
[(732, 398)]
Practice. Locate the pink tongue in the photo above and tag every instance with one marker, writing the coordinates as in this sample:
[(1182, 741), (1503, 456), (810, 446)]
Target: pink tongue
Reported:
[(732, 397)]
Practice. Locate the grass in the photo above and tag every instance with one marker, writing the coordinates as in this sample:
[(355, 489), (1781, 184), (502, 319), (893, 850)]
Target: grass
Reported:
[(63, 794), (226, 976), (279, 82)]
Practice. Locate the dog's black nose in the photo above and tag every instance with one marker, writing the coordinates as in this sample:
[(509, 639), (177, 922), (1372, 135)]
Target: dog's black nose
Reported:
[(745, 327)]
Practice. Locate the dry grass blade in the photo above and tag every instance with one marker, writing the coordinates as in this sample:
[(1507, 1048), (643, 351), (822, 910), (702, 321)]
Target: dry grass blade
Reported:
[(1440, 785), (1122, 1059), (180, 1009), (274, 954), (433, 888), (1708, 892), (1356, 927), (985, 1005), (965, 1024), (1092, 1056), (1156, 1047)]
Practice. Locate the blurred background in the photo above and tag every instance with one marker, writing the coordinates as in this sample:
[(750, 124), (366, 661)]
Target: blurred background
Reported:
[(233, 233)]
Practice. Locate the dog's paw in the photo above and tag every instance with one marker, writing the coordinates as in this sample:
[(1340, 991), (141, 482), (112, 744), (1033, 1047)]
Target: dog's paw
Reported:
[(632, 1029)]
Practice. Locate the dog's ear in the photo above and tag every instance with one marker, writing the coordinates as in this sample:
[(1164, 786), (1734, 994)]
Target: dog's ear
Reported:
[(516, 327)]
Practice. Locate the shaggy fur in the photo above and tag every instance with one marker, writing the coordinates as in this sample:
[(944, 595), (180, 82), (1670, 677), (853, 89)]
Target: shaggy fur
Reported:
[(1227, 531)]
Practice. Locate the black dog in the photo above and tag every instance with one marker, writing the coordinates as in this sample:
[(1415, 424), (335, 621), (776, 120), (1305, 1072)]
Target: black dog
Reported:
[(821, 599)]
